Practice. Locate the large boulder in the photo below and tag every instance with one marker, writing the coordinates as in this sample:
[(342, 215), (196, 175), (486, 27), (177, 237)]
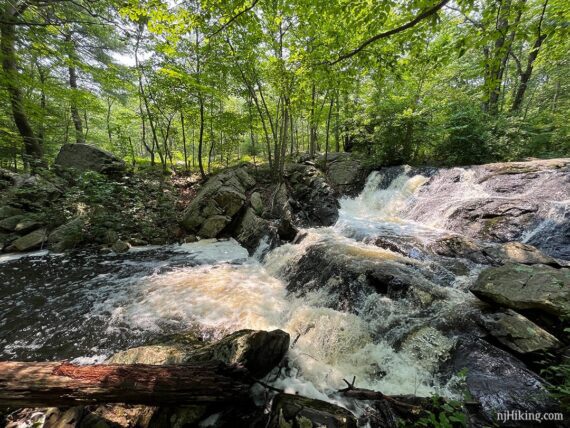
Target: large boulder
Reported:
[(518, 333), (67, 236), (251, 229), (519, 286), (85, 157), (295, 412), (312, 199), (499, 381), (345, 172), (31, 241), (218, 203), (258, 351)]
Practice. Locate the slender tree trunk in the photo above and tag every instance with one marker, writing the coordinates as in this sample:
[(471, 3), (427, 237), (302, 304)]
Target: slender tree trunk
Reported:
[(75, 116), (527, 73), (184, 140), (312, 128), (201, 137), (328, 129), (109, 131), (33, 150)]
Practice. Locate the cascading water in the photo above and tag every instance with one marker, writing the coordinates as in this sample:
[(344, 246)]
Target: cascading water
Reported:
[(88, 306)]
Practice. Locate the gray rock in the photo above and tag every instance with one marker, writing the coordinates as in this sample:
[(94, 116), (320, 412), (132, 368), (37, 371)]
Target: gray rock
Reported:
[(120, 247), (256, 203), (295, 411), (67, 236), (518, 333), (251, 229), (519, 286), (31, 241), (218, 202), (9, 224), (346, 172), (311, 198), (9, 211), (213, 225), (258, 351), (85, 157), (517, 252), (27, 224)]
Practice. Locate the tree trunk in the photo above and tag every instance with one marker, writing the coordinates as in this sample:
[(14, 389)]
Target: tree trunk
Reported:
[(33, 151), (312, 128), (328, 129), (75, 116), (525, 76), (201, 137), (64, 384), (184, 141)]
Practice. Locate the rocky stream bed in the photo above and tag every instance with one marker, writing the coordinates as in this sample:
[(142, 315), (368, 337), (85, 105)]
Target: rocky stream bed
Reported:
[(416, 281)]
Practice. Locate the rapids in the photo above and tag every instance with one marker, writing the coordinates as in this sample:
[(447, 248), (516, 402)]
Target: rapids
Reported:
[(85, 306)]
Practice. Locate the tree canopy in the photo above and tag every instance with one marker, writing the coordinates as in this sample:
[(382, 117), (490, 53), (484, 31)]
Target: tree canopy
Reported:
[(197, 85)]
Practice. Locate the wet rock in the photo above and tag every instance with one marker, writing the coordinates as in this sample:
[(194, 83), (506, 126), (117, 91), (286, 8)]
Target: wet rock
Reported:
[(217, 203), (293, 411), (460, 247), (517, 252), (351, 272), (85, 157), (286, 230), (67, 236), (31, 241), (190, 238), (312, 199), (256, 203), (428, 346), (502, 202), (518, 333), (120, 247), (152, 354), (258, 351), (251, 229), (519, 286), (499, 381)]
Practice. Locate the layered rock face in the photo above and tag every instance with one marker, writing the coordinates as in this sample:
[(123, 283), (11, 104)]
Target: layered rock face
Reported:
[(502, 202)]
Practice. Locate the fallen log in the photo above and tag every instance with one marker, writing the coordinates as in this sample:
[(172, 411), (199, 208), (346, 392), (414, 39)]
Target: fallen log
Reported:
[(63, 384)]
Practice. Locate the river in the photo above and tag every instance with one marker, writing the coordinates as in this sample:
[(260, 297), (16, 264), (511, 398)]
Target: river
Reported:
[(84, 307)]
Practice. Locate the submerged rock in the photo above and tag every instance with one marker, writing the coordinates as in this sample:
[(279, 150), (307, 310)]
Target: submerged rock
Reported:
[(293, 411), (85, 157), (518, 333), (519, 286)]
